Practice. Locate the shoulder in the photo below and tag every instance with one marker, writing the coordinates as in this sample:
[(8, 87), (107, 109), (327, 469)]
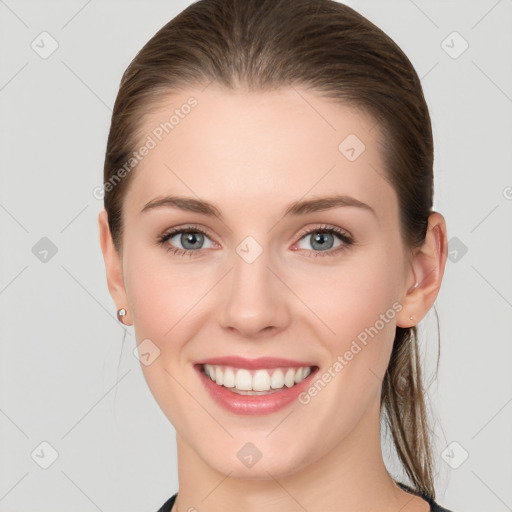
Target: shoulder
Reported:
[(166, 507), (434, 507)]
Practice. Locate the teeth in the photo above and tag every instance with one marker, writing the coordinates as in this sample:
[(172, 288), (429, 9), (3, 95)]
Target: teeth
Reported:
[(219, 376), (251, 382), (289, 378), (277, 379), (261, 381), (243, 379), (229, 378)]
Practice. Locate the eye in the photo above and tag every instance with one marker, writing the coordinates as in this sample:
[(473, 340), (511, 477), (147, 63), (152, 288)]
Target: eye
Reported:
[(323, 238), (191, 238)]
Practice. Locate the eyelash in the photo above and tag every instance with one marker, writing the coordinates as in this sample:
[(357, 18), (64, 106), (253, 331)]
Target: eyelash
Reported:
[(342, 235)]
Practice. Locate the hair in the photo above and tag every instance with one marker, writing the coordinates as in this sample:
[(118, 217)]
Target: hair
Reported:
[(333, 51)]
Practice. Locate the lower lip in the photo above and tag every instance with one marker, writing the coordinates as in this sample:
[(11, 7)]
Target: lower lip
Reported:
[(253, 404)]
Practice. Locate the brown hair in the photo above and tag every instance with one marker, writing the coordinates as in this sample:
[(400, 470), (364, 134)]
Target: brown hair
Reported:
[(332, 50)]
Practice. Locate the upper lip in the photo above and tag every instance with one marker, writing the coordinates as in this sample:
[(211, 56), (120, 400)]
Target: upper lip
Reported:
[(260, 362)]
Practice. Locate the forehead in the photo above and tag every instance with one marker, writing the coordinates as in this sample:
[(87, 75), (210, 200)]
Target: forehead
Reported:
[(258, 149)]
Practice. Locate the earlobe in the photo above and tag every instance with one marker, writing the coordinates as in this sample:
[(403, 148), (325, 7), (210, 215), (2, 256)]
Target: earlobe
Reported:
[(427, 270), (113, 264)]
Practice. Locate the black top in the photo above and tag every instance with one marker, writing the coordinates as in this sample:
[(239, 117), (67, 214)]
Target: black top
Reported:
[(434, 507)]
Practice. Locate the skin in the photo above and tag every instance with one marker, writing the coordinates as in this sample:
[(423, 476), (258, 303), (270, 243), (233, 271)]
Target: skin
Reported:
[(252, 154)]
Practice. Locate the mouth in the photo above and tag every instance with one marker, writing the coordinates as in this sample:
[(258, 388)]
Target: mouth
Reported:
[(258, 386), (262, 381)]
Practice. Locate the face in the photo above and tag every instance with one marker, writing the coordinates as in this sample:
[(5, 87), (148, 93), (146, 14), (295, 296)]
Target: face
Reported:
[(265, 271)]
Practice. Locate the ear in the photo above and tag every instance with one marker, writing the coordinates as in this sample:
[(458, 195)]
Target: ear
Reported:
[(426, 269), (113, 266)]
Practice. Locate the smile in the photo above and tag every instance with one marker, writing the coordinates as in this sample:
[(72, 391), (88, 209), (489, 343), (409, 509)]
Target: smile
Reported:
[(254, 386), (256, 381)]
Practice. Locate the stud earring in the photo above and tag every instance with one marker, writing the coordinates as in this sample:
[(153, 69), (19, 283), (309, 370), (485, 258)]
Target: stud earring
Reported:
[(413, 287), (411, 317), (121, 313)]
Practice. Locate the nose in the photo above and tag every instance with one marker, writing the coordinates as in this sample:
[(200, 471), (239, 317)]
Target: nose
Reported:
[(254, 299)]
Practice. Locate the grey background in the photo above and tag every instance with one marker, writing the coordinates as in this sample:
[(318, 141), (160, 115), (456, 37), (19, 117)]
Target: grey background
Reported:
[(68, 380)]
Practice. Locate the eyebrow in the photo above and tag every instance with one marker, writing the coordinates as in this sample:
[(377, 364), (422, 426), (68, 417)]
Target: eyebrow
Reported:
[(301, 207)]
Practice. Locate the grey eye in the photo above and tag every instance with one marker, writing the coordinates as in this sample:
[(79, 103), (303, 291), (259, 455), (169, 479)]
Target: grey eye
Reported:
[(189, 240), (320, 240)]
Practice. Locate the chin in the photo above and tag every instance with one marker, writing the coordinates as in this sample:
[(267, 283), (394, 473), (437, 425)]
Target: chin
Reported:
[(252, 458)]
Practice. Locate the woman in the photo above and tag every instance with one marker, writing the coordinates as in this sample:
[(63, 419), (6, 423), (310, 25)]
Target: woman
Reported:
[(268, 231)]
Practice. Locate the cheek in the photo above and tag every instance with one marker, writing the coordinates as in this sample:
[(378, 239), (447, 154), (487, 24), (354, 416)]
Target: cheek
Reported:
[(162, 295), (357, 307), (160, 292), (350, 297), (167, 297)]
